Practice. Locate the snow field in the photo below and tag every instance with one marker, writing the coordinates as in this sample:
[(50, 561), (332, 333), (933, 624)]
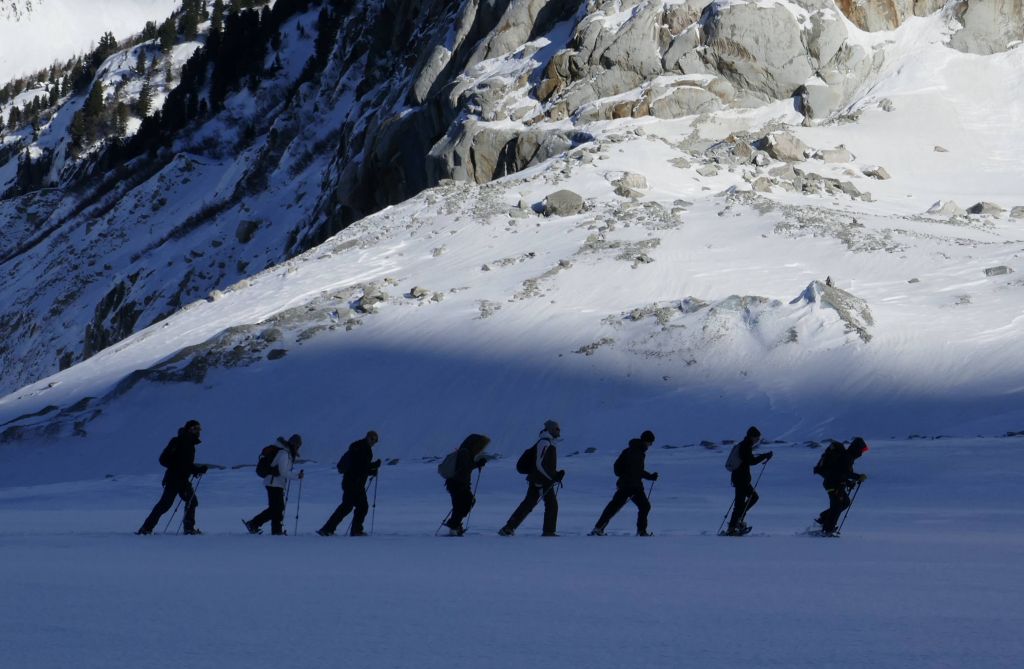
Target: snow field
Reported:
[(926, 574)]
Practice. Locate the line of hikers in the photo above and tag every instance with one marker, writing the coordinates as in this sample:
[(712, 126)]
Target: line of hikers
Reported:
[(539, 463)]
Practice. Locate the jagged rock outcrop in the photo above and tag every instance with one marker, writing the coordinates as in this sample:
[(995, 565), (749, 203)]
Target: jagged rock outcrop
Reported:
[(853, 311), (875, 15)]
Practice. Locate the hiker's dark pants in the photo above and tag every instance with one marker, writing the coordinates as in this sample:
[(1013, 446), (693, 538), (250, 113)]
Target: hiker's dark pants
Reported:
[(462, 502), (746, 498), (619, 499), (533, 495), (353, 497), (174, 488), (838, 501), (274, 511)]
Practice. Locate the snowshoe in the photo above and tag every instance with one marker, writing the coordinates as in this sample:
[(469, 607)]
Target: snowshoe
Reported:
[(596, 532), (250, 528), (644, 533), (506, 532)]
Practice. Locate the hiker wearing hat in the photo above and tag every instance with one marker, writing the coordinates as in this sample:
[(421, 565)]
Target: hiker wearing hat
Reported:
[(540, 463), (276, 482), (469, 456), (746, 496), (629, 467), (179, 457), (355, 466), (839, 478)]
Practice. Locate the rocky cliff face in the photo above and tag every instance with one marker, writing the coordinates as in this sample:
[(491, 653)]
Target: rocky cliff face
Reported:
[(412, 93)]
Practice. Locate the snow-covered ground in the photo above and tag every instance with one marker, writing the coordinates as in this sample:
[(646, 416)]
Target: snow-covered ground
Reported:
[(926, 574)]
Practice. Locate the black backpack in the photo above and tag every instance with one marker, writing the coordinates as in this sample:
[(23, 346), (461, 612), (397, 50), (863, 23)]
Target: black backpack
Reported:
[(620, 464), (265, 465), (527, 462), (167, 455), (343, 463), (829, 458)]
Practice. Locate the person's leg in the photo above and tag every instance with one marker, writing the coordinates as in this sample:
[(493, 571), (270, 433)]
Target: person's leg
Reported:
[(276, 510), (357, 498), (643, 508), (162, 506), (266, 514), (739, 506), (188, 495), (524, 508), (462, 504), (331, 526), (617, 502), (550, 511)]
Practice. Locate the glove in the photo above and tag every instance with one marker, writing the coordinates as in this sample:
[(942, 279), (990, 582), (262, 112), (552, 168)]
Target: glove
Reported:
[(862, 478), (374, 466), (480, 464), (203, 469), (302, 474), (654, 476), (559, 475), (770, 454)]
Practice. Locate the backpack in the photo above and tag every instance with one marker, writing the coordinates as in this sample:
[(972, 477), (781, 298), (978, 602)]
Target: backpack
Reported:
[(265, 465), (167, 455), (828, 458), (343, 463), (527, 462), (733, 462), (446, 468), (620, 464)]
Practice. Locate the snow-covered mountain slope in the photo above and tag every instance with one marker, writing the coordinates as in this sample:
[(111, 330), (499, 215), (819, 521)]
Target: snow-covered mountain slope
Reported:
[(685, 290), (692, 303), (36, 33), (926, 574)]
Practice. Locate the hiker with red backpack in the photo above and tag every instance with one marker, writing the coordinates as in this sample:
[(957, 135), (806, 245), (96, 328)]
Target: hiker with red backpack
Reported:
[(540, 464), (835, 466), (275, 466), (356, 466), (179, 458)]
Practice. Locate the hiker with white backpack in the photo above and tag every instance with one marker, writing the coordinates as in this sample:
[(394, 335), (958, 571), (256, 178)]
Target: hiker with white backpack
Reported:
[(275, 466), (739, 462), (457, 471), (540, 464)]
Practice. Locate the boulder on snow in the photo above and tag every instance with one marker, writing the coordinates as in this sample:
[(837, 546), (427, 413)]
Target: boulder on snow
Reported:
[(562, 203), (836, 155), (946, 208), (998, 270), (1017, 212), (986, 209), (876, 172), (630, 184), (786, 147)]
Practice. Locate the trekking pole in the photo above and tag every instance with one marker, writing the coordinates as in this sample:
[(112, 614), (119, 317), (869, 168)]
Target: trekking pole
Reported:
[(753, 491), (465, 523), (298, 505), (352, 520), (726, 516), (438, 530), (167, 526), (373, 514), (198, 480), (852, 498), (650, 491)]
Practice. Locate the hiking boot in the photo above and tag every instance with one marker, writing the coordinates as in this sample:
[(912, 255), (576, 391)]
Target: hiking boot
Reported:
[(251, 528), (596, 532), (142, 531), (324, 533), (193, 531), (506, 531), (550, 534), (456, 531), (644, 533), (358, 533)]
